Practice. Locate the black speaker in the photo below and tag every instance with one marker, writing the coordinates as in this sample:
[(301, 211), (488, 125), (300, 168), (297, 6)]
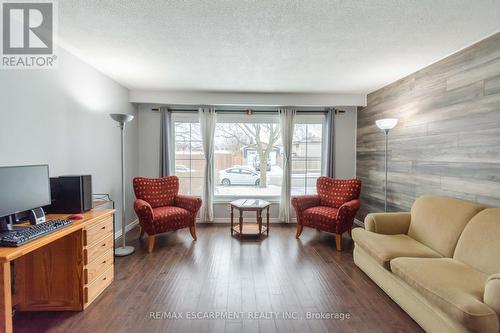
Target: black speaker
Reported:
[(70, 194), (36, 216)]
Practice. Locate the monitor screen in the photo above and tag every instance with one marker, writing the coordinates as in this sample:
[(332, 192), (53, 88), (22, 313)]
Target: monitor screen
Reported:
[(23, 188)]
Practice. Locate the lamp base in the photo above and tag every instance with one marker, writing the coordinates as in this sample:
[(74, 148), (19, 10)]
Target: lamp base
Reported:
[(124, 251)]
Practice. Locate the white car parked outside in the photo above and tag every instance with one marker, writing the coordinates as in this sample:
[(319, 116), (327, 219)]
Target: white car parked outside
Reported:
[(239, 176), (179, 168)]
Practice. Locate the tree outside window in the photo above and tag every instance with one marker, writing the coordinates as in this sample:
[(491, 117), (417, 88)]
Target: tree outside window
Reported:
[(248, 159)]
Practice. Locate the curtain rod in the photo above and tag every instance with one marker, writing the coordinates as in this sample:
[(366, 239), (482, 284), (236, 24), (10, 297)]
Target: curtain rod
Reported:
[(249, 111)]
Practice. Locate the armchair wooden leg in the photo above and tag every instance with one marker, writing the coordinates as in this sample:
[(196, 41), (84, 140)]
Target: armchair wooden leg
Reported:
[(338, 242), (151, 243), (142, 233), (299, 230), (350, 232), (192, 230)]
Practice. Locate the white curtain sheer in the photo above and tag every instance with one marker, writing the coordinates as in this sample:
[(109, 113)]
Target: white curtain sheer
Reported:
[(207, 118), (287, 121)]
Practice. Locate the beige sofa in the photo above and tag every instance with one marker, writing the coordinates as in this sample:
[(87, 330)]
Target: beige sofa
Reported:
[(440, 262)]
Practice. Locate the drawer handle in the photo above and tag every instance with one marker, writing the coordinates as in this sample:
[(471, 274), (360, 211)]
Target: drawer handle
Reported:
[(104, 279), (104, 244), (103, 228), (104, 262)]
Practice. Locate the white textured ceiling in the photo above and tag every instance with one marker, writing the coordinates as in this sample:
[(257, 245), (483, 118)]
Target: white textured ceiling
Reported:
[(270, 46)]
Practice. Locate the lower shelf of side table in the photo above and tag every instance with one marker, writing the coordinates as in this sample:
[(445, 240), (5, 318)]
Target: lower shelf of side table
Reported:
[(249, 229)]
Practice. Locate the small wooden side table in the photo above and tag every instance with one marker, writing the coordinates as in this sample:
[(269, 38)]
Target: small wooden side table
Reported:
[(256, 205)]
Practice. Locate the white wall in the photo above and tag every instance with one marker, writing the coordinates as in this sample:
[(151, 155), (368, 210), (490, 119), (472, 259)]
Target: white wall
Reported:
[(149, 145), (345, 142), (246, 98), (60, 117), (149, 141)]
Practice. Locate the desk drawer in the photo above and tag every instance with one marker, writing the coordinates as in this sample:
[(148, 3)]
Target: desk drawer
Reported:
[(97, 267), (95, 288), (98, 231), (98, 249)]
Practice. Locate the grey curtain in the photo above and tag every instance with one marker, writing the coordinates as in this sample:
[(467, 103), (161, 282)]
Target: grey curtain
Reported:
[(167, 166), (329, 144)]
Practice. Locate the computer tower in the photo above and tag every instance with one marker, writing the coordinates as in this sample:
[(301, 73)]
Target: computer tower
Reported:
[(70, 194)]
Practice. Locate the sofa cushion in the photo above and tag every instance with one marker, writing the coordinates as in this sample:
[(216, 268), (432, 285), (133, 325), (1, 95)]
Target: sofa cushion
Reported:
[(438, 222), (479, 244), (453, 287), (492, 293), (322, 217), (384, 248), (170, 218), (329, 213)]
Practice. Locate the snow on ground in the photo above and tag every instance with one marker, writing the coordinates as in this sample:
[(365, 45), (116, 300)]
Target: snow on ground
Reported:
[(255, 191), (273, 188)]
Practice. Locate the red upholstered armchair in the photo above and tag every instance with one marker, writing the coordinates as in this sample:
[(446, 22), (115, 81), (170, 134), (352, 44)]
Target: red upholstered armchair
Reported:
[(333, 209), (160, 208)]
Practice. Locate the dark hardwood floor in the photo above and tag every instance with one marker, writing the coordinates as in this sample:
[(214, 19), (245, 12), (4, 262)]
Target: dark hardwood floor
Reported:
[(219, 273)]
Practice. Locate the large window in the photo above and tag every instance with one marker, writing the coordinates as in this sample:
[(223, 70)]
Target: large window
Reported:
[(248, 156), (189, 156), (306, 154)]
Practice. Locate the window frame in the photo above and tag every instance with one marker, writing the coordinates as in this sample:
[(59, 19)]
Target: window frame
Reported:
[(314, 118), (242, 117), (185, 117), (268, 117)]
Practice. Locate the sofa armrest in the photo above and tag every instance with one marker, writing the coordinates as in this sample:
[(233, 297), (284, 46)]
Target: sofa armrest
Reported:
[(189, 203), (143, 210), (492, 293), (302, 202), (388, 223), (352, 205), (346, 214)]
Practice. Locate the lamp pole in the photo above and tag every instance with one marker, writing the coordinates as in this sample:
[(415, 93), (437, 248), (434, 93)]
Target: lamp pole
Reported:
[(122, 119), (386, 131), (386, 125), (122, 125)]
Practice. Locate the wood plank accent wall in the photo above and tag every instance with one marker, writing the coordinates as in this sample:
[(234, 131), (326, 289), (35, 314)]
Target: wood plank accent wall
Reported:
[(447, 141)]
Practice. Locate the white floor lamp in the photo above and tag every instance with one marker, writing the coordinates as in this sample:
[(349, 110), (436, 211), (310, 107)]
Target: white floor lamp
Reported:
[(122, 119), (386, 125)]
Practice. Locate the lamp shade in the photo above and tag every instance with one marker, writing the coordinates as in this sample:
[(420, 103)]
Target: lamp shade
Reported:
[(386, 124), (121, 118)]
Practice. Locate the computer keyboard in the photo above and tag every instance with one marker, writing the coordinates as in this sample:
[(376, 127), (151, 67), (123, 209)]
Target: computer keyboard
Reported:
[(25, 235)]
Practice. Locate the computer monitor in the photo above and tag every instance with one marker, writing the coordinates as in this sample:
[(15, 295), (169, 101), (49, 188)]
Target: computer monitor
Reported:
[(22, 188)]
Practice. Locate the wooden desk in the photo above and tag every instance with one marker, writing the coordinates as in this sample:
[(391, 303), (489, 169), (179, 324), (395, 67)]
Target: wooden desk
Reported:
[(62, 271)]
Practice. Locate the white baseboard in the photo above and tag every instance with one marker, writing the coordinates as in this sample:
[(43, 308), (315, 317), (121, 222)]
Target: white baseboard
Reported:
[(134, 223), (228, 220), (128, 227)]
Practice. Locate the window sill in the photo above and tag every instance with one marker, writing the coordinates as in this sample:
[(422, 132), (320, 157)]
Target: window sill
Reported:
[(228, 199)]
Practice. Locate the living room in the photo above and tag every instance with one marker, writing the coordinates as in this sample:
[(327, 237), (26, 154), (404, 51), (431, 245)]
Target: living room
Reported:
[(265, 166)]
